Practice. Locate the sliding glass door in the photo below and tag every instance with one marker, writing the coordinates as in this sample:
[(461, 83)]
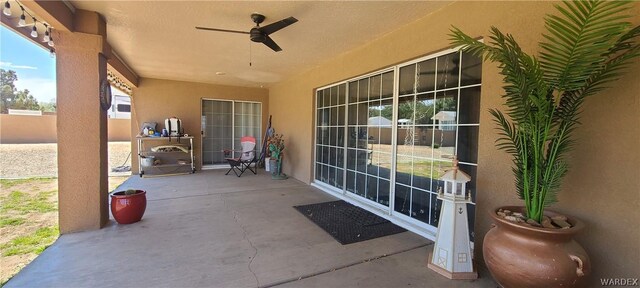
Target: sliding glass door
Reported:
[(224, 122), (438, 106), (403, 128), (369, 128)]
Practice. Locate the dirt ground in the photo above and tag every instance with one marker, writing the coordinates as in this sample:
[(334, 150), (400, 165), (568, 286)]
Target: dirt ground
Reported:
[(39, 160), (10, 265), (34, 221)]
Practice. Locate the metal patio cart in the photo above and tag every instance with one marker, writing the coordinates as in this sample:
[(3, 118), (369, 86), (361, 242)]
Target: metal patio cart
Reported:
[(165, 156)]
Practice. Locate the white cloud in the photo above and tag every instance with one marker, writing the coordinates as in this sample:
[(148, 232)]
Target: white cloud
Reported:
[(42, 89), (10, 65)]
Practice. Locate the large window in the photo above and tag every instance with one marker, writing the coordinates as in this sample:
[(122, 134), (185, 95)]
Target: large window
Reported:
[(224, 122), (439, 99), (330, 129), (369, 128), (403, 127)]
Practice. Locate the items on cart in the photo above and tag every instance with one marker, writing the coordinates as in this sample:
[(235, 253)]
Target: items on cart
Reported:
[(148, 129), (170, 148), (174, 127)]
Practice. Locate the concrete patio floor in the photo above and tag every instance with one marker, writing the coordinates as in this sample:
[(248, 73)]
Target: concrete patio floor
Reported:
[(212, 230)]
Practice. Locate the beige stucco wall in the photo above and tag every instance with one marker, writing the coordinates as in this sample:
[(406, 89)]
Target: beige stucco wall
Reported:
[(119, 129), (602, 186), (155, 100), (27, 129), (42, 129)]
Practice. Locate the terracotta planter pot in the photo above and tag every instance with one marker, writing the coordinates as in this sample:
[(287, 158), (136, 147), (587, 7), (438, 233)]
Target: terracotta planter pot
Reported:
[(524, 256), (127, 209)]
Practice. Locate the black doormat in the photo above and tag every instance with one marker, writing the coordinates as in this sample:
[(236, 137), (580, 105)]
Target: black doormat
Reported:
[(348, 223)]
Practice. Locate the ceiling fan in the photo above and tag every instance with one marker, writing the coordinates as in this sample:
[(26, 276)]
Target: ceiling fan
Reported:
[(260, 34)]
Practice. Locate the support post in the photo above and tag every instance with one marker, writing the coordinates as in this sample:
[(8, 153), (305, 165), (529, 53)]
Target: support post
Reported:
[(82, 132)]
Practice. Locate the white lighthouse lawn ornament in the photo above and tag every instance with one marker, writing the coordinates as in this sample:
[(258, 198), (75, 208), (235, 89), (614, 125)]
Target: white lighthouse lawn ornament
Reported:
[(451, 256)]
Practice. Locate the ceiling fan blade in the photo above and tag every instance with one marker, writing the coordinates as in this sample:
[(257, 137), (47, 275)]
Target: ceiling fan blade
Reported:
[(275, 26), (269, 42), (221, 30)]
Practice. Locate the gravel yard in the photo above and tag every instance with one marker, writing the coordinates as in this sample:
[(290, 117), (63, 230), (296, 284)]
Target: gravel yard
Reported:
[(39, 160)]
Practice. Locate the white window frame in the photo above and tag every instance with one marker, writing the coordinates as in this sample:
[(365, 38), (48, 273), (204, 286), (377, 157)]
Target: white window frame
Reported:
[(233, 126), (424, 229)]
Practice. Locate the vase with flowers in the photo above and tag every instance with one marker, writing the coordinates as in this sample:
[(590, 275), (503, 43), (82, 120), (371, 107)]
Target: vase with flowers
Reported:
[(276, 146)]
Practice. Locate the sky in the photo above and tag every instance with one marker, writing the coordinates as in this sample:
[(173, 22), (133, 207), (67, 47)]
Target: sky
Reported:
[(33, 64)]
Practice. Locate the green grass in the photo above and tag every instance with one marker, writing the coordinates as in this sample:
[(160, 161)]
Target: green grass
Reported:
[(9, 221), (34, 243), (24, 203), (8, 183), (423, 168)]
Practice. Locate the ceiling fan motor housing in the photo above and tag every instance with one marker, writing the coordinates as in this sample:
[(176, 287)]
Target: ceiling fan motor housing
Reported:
[(256, 35)]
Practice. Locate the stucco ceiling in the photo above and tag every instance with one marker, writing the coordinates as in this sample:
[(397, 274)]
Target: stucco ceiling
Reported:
[(158, 39)]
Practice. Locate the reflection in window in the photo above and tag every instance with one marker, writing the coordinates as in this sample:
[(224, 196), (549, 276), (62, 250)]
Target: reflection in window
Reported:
[(330, 139), (439, 122), (369, 128), (448, 71), (436, 119)]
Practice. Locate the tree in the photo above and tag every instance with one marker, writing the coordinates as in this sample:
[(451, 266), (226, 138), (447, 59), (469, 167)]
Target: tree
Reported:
[(48, 106), (8, 90), (588, 44), (387, 112), (25, 101), (11, 98), (424, 110)]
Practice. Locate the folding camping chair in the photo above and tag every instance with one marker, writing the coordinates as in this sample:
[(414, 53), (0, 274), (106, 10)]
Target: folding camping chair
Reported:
[(248, 156)]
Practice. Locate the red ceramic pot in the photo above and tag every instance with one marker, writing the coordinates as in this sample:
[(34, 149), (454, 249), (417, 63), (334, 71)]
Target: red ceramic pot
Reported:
[(127, 209)]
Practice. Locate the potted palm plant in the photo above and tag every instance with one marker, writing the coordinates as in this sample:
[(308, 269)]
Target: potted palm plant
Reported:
[(586, 47), (128, 206)]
